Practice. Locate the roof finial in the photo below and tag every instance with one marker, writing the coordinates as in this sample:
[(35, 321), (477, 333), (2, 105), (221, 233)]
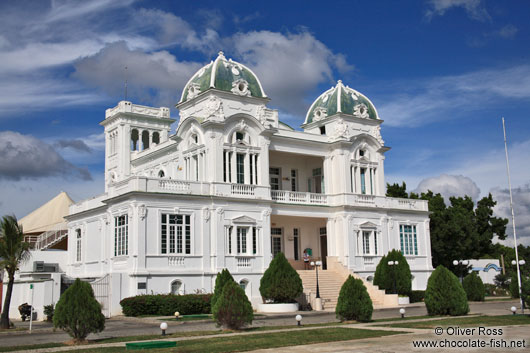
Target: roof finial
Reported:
[(339, 82), (221, 54)]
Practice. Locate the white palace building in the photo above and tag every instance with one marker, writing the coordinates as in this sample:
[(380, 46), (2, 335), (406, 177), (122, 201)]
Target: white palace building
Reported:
[(234, 186)]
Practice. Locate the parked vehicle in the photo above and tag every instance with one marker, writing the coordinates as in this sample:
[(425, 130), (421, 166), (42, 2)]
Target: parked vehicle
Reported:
[(24, 310)]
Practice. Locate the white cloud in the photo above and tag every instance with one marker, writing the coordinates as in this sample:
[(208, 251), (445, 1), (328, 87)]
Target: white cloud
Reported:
[(289, 66), (448, 97), (474, 8), (26, 157), (450, 185)]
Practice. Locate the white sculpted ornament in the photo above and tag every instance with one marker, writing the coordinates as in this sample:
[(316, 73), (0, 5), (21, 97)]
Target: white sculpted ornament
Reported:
[(214, 109), (341, 130), (361, 111)]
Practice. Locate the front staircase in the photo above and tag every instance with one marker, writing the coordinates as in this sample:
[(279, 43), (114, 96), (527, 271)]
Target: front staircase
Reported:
[(330, 282)]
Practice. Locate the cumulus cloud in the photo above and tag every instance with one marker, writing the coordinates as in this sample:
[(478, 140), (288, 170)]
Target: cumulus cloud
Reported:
[(154, 78), (474, 8), (289, 65), (450, 185), (77, 145), (521, 206), (447, 97), (26, 157)]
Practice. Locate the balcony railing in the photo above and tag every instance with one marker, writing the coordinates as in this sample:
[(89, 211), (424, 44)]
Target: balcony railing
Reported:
[(285, 196)]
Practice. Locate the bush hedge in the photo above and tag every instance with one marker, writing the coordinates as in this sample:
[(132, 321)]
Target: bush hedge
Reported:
[(166, 304), (233, 309), (444, 294), (354, 303), (474, 287), (417, 296), (280, 282), (386, 276)]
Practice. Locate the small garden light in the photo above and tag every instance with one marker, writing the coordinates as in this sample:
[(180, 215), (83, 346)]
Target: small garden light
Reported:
[(402, 312), (299, 319), (513, 309), (163, 327), (177, 315)]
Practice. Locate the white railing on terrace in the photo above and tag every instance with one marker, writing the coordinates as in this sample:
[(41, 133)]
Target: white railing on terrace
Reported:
[(174, 185), (243, 262), (243, 189), (286, 196), (51, 237)]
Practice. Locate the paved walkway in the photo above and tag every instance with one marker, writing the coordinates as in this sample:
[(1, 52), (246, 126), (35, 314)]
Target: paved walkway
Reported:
[(120, 326)]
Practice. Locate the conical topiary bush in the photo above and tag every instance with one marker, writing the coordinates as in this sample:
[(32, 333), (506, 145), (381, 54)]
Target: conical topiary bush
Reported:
[(78, 312), (380, 273), (222, 278), (354, 301), (444, 294), (280, 282), (233, 309), (474, 287)]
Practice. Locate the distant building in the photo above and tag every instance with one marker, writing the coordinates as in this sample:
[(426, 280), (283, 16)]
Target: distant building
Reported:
[(487, 269)]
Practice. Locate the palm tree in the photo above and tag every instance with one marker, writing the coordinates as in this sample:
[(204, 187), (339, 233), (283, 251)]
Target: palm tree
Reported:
[(13, 251)]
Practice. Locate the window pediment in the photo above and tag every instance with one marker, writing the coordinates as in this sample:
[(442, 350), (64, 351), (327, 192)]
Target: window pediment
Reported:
[(244, 219), (368, 225)]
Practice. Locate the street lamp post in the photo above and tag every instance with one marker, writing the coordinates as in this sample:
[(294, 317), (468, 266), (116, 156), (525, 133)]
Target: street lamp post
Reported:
[(463, 263), (392, 264), (518, 264), (318, 303)]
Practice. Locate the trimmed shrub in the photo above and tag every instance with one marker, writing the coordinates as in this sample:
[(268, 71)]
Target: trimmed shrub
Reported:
[(444, 294), (233, 309), (380, 272), (502, 280), (78, 313), (474, 287), (397, 276), (166, 304), (417, 296), (48, 311), (222, 278), (280, 282), (514, 285), (354, 303)]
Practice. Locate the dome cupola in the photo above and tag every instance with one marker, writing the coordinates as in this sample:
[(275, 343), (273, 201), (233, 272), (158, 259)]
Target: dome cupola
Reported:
[(225, 75), (341, 99)]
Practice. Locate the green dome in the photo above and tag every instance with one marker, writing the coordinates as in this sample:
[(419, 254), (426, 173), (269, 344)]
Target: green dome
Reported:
[(341, 99), (225, 75)]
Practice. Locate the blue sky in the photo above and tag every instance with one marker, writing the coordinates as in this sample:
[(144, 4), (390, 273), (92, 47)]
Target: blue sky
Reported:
[(441, 73)]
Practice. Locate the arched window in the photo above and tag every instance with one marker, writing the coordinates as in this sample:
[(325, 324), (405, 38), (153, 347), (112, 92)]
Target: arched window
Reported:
[(176, 287), (134, 140), (145, 139), (78, 250), (243, 284), (161, 174), (156, 138)]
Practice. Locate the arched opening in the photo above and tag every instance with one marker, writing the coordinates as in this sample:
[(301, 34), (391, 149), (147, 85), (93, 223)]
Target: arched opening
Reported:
[(134, 140), (156, 138), (176, 287), (243, 284), (145, 139), (161, 174)]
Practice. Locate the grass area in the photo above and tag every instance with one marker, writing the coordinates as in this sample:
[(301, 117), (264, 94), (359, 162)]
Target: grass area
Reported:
[(484, 320), (205, 317), (243, 343), (30, 346)]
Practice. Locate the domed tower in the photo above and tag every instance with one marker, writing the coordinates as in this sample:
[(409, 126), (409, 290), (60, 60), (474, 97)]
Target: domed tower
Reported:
[(351, 123)]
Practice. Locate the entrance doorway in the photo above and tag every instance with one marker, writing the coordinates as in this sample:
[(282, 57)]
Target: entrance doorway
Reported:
[(276, 241), (324, 247)]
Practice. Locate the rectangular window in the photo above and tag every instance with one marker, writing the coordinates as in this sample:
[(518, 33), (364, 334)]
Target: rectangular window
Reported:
[(229, 240), (371, 182), (296, 244), (240, 168), (363, 183), (274, 174), (276, 241), (254, 240), (121, 236), (224, 166), (256, 168), (196, 169), (375, 243), (230, 167), (294, 180), (251, 161), (408, 239), (241, 240), (175, 235), (78, 252), (366, 242)]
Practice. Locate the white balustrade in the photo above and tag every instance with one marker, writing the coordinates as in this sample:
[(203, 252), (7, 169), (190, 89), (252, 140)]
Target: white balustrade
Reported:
[(243, 189), (174, 185), (243, 262), (369, 260), (298, 197), (176, 261)]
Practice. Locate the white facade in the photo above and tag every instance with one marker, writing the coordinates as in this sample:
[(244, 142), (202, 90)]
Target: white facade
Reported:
[(233, 185)]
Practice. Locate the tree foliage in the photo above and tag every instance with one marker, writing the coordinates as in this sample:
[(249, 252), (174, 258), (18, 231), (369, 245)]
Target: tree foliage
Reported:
[(280, 282), (354, 303), (78, 312), (222, 278), (233, 310), (396, 190), (396, 278), (474, 287), (444, 294), (13, 251)]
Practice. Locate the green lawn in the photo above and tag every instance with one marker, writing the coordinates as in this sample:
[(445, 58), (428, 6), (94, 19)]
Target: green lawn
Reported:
[(484, 320), (243, 343)]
